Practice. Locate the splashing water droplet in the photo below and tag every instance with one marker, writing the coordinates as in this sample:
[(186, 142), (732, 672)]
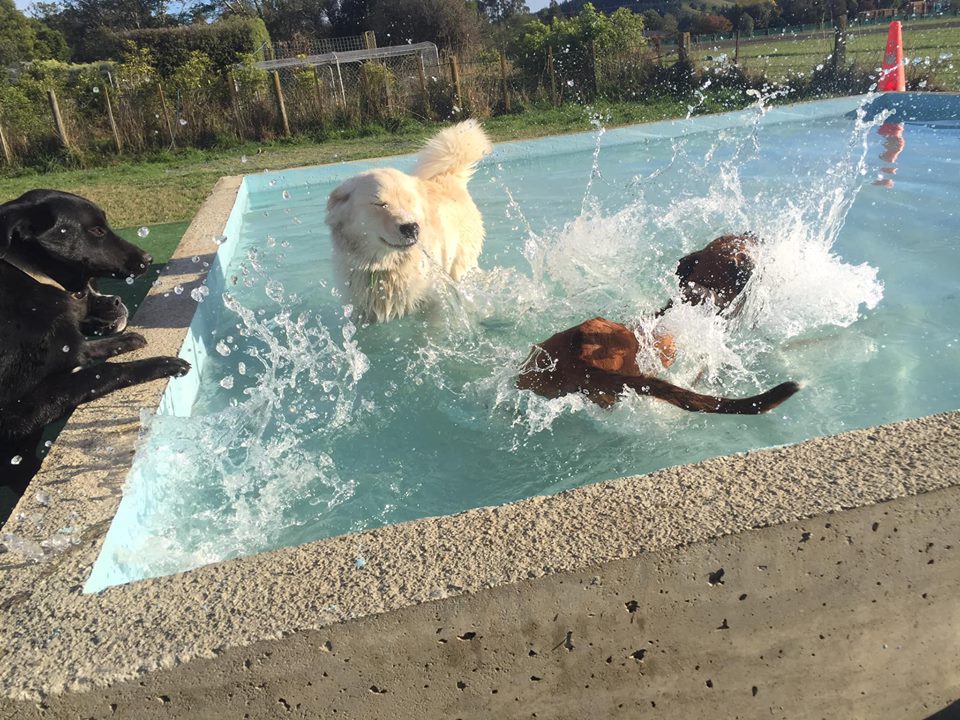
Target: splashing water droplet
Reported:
[(271, 241), (219, 239), (66, 348), (227, 382), (274, 290), (244, 159), (242, 368), (143, 232), (182, 122), (286, 194), (199, 293), (42, 498), (16, 460), (129, 280), (223, 348), (272, 183), (178, 290)]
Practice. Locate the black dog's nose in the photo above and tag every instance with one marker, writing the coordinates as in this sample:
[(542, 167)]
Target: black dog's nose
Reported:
[(410, 230)]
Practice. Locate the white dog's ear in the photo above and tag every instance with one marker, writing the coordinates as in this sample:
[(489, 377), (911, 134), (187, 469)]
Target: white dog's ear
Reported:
[(339, 195)]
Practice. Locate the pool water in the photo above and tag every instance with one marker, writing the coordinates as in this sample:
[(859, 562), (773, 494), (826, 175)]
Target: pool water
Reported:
[(306, 425)]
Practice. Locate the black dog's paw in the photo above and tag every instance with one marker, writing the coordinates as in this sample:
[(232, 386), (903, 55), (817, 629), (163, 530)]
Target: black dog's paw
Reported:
[(164, 367), (179, 367), (128, 342)]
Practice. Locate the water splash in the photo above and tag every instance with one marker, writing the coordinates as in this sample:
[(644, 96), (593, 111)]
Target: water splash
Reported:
[(302, 386)]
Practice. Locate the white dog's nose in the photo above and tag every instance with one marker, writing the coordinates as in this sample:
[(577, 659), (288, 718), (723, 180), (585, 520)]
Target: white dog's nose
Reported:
[(410, 230)]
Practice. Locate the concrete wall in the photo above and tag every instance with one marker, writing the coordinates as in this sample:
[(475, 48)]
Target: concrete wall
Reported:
[(848, 615)]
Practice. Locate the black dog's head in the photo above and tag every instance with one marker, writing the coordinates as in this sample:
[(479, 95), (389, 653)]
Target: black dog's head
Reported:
[(101, 314), (67, 238)]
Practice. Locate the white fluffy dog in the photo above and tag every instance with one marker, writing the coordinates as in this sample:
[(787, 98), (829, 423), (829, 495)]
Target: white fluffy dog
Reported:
[(392, 232)]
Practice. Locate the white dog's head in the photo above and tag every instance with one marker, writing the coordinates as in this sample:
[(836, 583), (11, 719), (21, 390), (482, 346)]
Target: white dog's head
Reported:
[(376, 216)]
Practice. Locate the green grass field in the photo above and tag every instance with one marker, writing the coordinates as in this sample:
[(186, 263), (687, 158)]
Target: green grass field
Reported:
[(780, 57), (171, 189)]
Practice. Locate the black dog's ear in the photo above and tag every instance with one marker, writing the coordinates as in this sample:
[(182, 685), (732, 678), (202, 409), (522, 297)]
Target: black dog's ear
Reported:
[(22, 222), (11, 223)]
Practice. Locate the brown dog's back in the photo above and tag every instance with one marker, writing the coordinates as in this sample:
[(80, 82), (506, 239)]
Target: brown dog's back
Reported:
[(598, 358)]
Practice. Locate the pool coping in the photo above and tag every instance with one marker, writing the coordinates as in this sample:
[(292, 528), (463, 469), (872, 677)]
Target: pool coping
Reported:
[(58, 639)]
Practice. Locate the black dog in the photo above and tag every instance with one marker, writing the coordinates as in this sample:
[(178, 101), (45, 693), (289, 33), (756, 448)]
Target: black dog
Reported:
[(44, 355), (48, 367), (67, 238)]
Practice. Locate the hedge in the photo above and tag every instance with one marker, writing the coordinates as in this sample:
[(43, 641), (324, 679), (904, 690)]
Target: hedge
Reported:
[(225, 42)]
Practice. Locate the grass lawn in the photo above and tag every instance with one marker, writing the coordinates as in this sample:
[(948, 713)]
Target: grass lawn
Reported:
[(170, 189), (781, 56)]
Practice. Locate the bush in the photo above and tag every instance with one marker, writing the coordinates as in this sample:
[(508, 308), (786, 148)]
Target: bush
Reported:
[(572, 41), (225, 43)]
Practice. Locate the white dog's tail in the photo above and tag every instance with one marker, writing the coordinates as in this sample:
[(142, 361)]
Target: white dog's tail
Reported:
[(453, 151)]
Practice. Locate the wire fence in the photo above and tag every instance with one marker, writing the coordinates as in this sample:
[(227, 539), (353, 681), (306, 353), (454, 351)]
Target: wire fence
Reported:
[(103, 111)]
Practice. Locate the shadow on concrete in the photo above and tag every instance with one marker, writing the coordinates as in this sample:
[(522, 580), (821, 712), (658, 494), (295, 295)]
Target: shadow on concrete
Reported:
[(950, 712)]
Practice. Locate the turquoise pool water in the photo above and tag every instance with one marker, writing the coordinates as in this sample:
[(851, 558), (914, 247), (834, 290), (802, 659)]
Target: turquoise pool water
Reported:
[(300, 425)]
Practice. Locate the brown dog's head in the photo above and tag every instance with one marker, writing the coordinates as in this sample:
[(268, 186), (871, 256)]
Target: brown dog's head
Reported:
[(719, 272)]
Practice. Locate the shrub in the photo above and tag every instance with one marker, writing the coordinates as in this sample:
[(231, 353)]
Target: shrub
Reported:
[(225, 43)]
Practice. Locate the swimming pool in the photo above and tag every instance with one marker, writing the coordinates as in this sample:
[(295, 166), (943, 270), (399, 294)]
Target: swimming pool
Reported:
[(299, 425)]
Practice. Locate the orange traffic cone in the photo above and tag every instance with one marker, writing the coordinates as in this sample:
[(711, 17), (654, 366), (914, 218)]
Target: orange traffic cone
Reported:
[(892, 77)]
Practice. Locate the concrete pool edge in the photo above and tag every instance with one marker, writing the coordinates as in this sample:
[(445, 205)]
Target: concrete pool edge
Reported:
[(61, 640)]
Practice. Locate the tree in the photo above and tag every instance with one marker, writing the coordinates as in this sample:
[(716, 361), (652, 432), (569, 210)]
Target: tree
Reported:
[(86, 23), (745, 24), (652, 20), (17, 36), (499, 11), (349, 17), (50, 44), (711, 25), (284, 19), (451, 24)]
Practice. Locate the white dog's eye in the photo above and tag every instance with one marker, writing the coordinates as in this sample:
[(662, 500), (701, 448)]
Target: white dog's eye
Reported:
[(379, 204)]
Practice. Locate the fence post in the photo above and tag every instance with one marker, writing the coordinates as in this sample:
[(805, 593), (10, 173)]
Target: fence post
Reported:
[(281, 105), (58, 119), (553, 76), (504, 88), (455, 74), (318, 90), (656, 45), (343, 92), (683, 47), (235, 102), (5, 146), (593, 67), (422, 72), (840, 41), (166, 115), (369, 40), (113, 122)]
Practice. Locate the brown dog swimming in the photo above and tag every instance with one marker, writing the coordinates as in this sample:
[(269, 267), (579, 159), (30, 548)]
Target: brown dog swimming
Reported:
[(718, 272), (598, 358)]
